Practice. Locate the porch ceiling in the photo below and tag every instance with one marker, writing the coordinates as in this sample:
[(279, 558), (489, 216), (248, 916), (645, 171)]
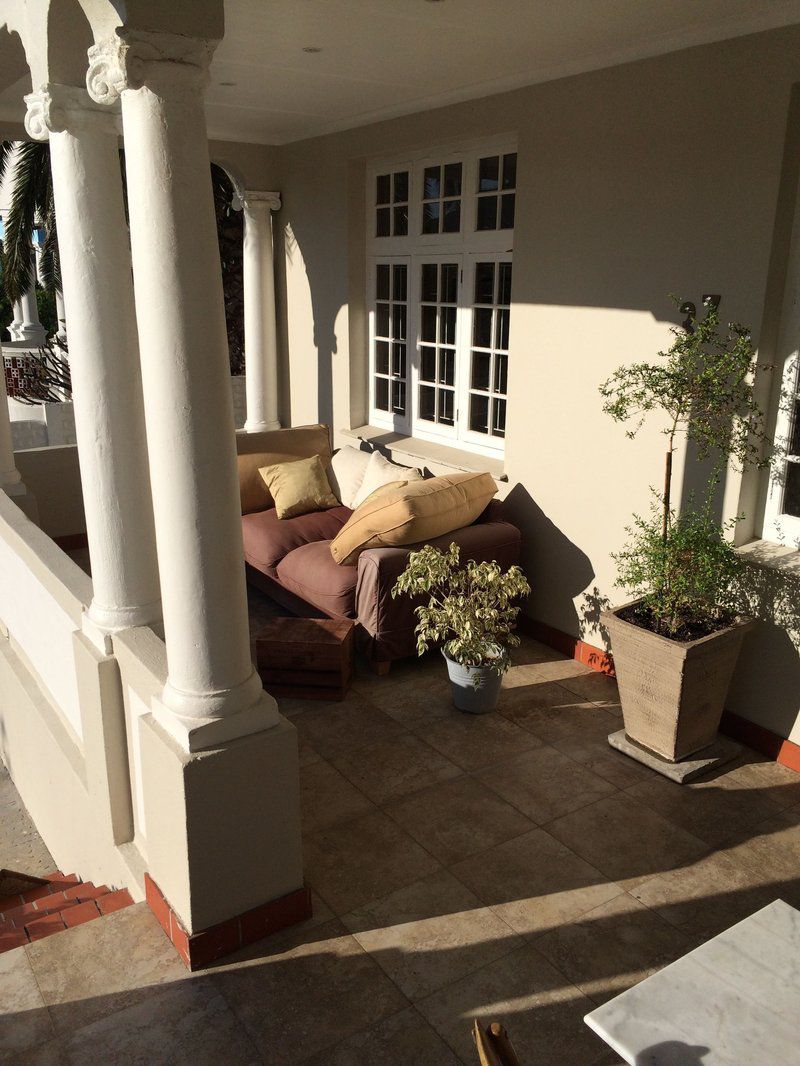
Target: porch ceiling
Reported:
[(383, 58)]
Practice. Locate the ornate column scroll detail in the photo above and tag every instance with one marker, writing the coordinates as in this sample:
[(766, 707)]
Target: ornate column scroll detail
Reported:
[(43, 115), (126, 60), (57, 108)]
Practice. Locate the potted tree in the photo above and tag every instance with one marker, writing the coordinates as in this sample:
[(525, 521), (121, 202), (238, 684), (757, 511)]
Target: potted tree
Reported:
[(471, 614), (676, 644)]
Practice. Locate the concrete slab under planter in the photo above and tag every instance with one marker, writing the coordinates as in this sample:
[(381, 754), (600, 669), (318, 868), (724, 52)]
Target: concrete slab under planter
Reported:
[(716, 754)]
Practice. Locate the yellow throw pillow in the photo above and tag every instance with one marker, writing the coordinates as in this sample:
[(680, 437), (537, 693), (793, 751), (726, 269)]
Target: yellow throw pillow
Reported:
[(270, 448), (299, 487), (413, 514)]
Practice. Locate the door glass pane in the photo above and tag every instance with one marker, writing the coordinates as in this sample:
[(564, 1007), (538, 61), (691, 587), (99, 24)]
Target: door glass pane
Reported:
[(498, 417), (383, 185), (383, 222), (794, 442), (501, 340), (427, 403), (500, 373), (399, 397), (429, 289), (479, 413), (487, 213), (430, 217), (382, 320), (449, 283), (504, 284), (399, 281), (400, 182), (481, 362), (507, 211), (400, 221), (451, 222), (484, 282), (452, 179), (447, 366), (489, 174), (427, 364), (446, 407), (381, 357), (428, 324), (431, 187), (382, 281), (482, 327), (399, 360), (399, 321), (447, 325), (510, 171), (382, 394)]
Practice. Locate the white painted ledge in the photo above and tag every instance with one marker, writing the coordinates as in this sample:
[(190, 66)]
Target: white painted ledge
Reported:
[(773, 556), (428, 451)]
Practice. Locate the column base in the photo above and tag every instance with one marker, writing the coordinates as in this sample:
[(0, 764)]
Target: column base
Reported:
[(34, 337), (199, 734), (261, 427), (101, 623)]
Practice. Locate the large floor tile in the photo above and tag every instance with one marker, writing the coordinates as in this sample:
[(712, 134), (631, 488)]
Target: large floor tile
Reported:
[(190, 1024), (541, 1010), (356, 863), (416, 700), (769, 853), (755, 776), (334, 729), (544, 783), (475, 740), (104, 966), (628, 842), (327, 798), (296, 1004), (458, 818), (535, 883), (429, 934), (395, 767), (594, 686), (710, 809), (613, 947), (405, 1039), (24, 1019)]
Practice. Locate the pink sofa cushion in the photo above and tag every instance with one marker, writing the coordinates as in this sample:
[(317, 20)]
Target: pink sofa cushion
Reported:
[(268, 539), (310, 573)]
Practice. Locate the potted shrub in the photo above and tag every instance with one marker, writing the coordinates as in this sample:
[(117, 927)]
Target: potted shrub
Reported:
[(676, 644), (470, 613)]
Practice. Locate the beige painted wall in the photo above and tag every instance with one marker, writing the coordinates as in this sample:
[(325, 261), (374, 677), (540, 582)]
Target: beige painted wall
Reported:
[(655, 177)]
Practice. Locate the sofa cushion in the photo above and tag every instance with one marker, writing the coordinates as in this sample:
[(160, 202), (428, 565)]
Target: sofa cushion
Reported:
[(348, 467), (414, 514), (299, 487), (278, 446), (380, 471), (311, 573), (267, 538)]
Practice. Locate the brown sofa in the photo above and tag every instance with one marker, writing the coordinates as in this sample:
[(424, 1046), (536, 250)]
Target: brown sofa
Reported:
[(290, 560)]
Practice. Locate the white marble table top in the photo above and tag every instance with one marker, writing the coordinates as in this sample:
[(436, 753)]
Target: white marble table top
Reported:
[(733, 1000)]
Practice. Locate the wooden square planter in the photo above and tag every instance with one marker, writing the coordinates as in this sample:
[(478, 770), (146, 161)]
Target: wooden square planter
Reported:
[(672, 692)]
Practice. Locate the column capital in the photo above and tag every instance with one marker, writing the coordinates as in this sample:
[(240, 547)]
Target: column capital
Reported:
[(130, 58), (56, 108), (250, 198)]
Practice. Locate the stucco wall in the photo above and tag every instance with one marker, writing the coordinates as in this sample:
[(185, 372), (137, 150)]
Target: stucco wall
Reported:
[(634, 182)]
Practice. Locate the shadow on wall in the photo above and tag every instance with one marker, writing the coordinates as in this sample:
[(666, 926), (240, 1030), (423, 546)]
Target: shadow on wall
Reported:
[(557, 569)]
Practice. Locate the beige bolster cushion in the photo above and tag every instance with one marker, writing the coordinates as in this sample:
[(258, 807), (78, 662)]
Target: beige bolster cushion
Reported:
[(257, 450), (417, 512)]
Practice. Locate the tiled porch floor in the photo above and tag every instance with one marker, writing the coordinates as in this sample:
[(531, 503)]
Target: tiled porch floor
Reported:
[(509, 866)]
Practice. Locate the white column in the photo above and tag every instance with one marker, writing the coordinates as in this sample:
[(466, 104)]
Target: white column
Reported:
[(213, 693), (30, 329), (61, 315), (106, 377), (260, 328)]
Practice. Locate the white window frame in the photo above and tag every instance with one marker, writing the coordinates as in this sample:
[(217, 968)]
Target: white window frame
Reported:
[(779, 527), (467, 247)]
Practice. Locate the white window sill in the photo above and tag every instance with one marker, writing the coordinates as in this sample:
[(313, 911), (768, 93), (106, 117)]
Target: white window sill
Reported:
[(427, 451), (772, 556)]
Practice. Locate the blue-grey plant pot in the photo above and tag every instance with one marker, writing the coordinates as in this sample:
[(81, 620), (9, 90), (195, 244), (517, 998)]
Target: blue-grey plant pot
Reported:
[(476, 689)]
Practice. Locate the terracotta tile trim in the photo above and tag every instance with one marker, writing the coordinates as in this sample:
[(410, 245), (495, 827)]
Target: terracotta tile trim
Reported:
[(207, 945), (755, 736)]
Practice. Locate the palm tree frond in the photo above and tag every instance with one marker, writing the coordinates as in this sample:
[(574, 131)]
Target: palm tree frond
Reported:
[(32, 197)]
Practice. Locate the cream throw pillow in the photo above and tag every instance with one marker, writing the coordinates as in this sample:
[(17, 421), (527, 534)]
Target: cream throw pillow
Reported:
[(299, 487), (348, 467), (413, 514), (381, 472)]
